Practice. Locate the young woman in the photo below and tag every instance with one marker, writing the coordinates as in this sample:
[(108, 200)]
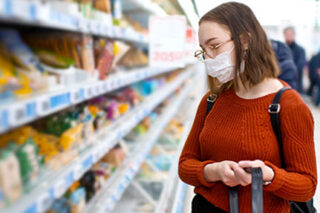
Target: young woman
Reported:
[(237, 133)]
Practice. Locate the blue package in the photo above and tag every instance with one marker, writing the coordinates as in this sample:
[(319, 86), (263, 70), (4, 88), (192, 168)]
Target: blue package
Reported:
[(12, 40)]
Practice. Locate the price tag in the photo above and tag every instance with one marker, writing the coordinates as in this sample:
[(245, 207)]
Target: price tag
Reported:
[(117, 31), (87, 163), (120, 134), (4, 119), (141, 38), (59, 189), (83, 25), (88, 92), (60, 100), (97, 89), (119, 83), (75, 96), (106, 86), (96, 156), (32, 11), (124, 33), (69, 179), (21, 9), (78, 172), (44, 202), (7, 7), (31, 110), (113, 202), (17, 114), (43, 105), (102, 87), (43, 12), (120, 190)]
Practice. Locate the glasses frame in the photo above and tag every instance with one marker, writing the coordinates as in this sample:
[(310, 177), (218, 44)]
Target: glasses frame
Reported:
[(200, 53)]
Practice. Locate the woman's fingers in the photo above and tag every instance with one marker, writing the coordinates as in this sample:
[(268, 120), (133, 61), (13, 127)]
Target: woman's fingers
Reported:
[(268, 173), (243, 177), (251, 164)]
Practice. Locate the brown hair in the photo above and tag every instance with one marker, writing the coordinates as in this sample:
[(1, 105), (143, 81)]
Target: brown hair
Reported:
[(289, 28), (260, 61)]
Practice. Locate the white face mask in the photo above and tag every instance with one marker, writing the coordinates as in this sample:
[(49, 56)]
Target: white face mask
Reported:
[(221, 67)]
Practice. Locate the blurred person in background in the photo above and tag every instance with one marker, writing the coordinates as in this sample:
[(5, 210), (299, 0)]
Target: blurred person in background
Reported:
[(298, 53), (314, 76), (288, 68)]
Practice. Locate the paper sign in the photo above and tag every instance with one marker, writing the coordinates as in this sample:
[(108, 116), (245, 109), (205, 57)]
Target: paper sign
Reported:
[(167, 41)]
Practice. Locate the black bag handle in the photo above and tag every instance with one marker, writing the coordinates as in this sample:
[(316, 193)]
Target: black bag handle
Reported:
[(274, 112)]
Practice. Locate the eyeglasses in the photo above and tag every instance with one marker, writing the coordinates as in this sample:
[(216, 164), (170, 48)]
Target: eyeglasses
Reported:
[(211, 52)]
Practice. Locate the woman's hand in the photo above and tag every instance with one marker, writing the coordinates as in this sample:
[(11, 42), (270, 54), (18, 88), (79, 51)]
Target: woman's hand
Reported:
[(245, 178), (222, 171)]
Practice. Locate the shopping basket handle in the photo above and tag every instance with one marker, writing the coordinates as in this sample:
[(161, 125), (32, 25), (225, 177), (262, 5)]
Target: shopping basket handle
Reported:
[(256, 191)]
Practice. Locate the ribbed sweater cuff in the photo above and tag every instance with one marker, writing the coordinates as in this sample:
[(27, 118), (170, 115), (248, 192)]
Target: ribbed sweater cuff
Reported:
[(278, 179), (201, 175)]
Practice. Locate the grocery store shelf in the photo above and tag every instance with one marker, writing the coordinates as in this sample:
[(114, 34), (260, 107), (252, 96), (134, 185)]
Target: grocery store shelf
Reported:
[(54, 184), (143, 6), (15, 113), (56, 15), (169, 184), (106, 199), (190, 12), (179, 197)]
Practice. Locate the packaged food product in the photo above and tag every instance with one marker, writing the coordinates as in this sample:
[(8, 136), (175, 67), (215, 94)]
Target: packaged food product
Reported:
[(103, 56), (10, 178), (29, 161), (78, 201)]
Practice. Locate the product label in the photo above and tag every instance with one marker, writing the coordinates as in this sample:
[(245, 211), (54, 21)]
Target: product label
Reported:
[(167, 41)]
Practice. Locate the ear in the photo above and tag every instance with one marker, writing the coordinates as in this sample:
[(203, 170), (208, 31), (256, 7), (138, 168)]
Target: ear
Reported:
[(244, 39)]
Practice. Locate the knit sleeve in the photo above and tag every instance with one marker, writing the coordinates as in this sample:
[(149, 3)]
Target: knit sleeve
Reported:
[(190, 164), (298, 182)]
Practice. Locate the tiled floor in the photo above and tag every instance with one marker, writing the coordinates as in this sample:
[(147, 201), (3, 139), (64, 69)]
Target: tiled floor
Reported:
[(316, 116)]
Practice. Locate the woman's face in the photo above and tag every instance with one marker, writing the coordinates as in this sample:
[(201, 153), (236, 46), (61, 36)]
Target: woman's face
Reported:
[(212, 34)]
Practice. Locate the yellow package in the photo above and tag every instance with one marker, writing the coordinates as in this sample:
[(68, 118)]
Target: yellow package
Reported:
[(70, 137)]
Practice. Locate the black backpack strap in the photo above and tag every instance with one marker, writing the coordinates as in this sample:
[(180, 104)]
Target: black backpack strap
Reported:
[(211, 100), (274, 111)]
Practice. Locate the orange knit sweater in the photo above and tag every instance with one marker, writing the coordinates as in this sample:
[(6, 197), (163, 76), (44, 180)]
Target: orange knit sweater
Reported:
[(240, 129)]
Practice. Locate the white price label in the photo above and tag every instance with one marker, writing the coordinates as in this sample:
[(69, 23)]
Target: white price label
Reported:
[(75, 96), (59, 189), (77, 172), (83, 25), (102, 87), (17, 114), (117, 31), (89, 92), (43, 106), (21, 9), (44, 202), (97, 90), (106, 86), (95, 156)]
